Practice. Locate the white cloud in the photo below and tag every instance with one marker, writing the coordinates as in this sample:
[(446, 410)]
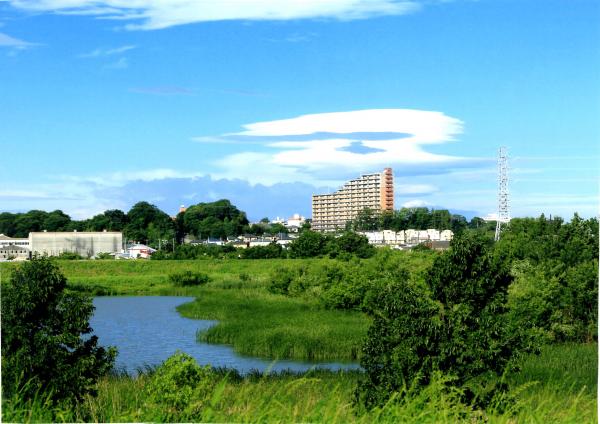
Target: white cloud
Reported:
[(416, 204), (122, 63), (385, 137), (158, 14), (8, 41), (107, 52), (424, 126)]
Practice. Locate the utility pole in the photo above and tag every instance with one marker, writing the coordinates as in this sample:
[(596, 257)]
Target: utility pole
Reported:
[(503, 200)]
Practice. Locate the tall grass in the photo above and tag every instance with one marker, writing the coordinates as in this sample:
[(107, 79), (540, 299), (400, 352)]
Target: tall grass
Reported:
[(258, 323), (326, 396)]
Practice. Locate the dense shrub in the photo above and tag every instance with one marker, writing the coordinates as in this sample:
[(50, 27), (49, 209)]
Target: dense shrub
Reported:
[(46, 347), (179, 389), (271, 251), (188, 278), (281, 280), (555, 265), (456, 323), (309, 245), (69, 256), (351, 243), (560, 304)]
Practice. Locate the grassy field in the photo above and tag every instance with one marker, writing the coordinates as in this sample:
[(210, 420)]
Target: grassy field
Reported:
[(557, 386)]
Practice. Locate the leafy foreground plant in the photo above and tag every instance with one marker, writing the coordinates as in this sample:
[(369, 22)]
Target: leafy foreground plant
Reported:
[(43, 353), (179, 389), (457, 324)]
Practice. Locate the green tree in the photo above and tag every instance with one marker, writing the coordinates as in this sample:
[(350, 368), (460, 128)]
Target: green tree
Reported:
[(109, 220), (57, 221), (457, 324), (366, 220), (217, 219), (140, 216), (7, 224), (45, 336), (309, 244), (353, 243), (31, 221)]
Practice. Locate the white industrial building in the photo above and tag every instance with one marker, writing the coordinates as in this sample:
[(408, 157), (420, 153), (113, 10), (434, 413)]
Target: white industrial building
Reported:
[(12, 241), (85, 244), (407, 237)]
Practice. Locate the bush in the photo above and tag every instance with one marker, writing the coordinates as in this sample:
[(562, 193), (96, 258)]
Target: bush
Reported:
[(271, 251), (188, 278), (352, 243), (69, 256), (45, 342), (309, 245), (179, 389), (458, 323), (281, 280)]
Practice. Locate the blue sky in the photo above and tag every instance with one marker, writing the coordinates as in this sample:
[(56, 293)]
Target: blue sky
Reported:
[(265, 102)]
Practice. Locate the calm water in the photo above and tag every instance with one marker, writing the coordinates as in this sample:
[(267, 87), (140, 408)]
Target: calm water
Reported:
[(148, 329)]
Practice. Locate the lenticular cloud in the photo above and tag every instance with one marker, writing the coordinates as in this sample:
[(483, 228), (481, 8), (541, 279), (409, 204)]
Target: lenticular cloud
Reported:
[(312, 147)]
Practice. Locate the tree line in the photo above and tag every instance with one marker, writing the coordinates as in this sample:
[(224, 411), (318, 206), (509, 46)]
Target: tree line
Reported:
[(144, 222), (416, 219), (148, 224)]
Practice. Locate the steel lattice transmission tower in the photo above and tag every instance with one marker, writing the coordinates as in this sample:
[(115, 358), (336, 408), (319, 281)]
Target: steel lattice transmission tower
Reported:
[(503, 201)]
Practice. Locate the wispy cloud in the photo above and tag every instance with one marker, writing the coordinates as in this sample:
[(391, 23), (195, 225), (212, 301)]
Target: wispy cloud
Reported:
[(107, 52), (163, 91), (15, 43), (158, 14), (296, 37), (122, 63)]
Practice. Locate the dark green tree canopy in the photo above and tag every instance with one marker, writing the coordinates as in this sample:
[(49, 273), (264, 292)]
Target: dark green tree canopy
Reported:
[(218, 219), (148, 223), (46, 342), (109, 220)]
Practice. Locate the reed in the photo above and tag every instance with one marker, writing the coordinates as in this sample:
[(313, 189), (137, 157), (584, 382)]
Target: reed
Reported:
[(258, 323), (566, 393)]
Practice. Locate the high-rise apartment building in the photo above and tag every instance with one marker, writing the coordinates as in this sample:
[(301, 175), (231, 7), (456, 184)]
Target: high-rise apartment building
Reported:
[(374, 191)]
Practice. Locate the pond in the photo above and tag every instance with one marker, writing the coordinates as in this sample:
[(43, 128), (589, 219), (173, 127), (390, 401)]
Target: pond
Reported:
[(146, 330)]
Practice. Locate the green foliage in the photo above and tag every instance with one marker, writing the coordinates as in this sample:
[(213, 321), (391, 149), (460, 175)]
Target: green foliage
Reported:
[(258, 323), (559, 386), (42, 345), (179, 389), (109, 220), (409, 218), (281, 280), (559, 305), (348, 284), (271, 251), (104, 255), (148, 224), (69, 256), (351, 243), (188, 278), (556, 275), (218, 219), (457, 323), (309, 245)]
